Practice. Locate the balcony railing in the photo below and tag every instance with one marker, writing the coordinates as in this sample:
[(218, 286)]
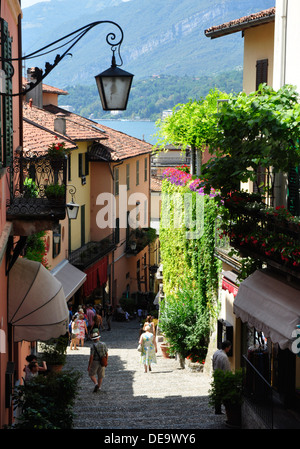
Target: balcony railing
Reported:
[(29, 179), (271, 235), (258, 392), (91, 252), (138, 240)]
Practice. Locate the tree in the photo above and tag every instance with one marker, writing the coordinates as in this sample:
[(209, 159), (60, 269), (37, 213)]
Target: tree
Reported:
[(190, 125), (252, 131)]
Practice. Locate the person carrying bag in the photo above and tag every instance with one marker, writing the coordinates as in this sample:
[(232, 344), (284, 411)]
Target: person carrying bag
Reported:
[(97, 361)]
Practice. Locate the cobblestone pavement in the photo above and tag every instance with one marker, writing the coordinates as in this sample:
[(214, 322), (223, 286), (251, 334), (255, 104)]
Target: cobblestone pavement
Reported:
[(165, 398)]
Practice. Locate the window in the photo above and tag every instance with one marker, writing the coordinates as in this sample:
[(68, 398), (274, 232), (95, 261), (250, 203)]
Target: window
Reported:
[(146, 169), (82, 230), (69, 168), (83, 164), (80, 167), (261, 72), (116, 181), (137, 172), (128, 176), (117, 231), (6, 140)]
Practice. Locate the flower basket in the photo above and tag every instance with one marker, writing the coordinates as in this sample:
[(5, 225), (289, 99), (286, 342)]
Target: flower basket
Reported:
[(57, 164), (57, 153), (56, 193)]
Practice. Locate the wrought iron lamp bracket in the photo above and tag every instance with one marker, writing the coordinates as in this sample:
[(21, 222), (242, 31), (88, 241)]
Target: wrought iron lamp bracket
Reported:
[(75, 36)]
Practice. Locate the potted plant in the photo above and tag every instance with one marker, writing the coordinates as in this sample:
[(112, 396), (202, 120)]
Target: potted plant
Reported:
[(31, 190), (55, 192), (185, 322), (226, 389), (54, 352), (57, 152)]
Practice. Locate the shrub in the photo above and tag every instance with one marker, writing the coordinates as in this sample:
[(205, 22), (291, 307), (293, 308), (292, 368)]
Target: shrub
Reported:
[(46, 402), (226, 388), (185, 322)]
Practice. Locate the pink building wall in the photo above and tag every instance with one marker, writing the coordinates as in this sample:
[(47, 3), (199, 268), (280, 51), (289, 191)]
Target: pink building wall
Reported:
[(123, 268)]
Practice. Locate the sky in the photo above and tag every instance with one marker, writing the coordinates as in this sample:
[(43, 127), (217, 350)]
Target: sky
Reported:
[(26, 3)]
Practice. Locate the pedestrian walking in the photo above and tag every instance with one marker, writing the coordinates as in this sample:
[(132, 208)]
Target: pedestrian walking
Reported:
[(95, 369), (149, 322), (108, 315), (30, 369), (220, 361), (82, 329), (90, 316), (139, 313), (74, 333), (149, 348)]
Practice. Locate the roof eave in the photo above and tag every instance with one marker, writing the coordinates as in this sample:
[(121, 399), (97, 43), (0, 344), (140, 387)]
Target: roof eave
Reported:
[(239, 27)]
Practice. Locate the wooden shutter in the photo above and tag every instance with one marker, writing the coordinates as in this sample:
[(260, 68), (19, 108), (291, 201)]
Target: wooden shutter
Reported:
[(294, 191), (7, 110), (261, 72)]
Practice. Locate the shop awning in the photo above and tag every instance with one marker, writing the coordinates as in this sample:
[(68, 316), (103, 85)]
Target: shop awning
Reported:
[(37, 306), (96, 276), (69, 276), (269, 305)]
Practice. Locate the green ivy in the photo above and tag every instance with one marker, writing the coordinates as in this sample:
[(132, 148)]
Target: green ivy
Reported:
[(190, 269)]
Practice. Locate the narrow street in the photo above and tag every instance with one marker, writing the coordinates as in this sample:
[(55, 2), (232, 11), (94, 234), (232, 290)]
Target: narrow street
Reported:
[(165, 398)]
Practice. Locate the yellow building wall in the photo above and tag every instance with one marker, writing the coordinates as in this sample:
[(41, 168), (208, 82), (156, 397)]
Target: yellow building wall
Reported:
[(123, 267), (258, 44), (82, 197)]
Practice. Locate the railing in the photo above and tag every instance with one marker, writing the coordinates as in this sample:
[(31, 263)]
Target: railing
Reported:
[(258, 392), (138, 239), (267, 234), (91, 252), (29, 179), (159, 160)]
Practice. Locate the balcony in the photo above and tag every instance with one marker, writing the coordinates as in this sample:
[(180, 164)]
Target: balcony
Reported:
[(271, 235), (91, 252), (31, 207), (138, 239)]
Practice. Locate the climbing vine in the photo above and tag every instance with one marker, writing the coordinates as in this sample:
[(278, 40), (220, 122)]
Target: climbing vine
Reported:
[(36, 248), (187, 236), (187, 239)]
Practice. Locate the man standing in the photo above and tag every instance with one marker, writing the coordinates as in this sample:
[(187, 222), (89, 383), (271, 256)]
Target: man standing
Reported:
[(220, 361), (90, 316), (95, 370)]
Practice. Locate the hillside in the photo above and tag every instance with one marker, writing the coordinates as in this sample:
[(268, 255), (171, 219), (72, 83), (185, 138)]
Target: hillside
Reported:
[(152, 95), (160, 37)]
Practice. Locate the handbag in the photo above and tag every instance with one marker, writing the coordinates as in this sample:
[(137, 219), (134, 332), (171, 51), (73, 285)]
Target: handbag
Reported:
[(139, 348), (103, 360)]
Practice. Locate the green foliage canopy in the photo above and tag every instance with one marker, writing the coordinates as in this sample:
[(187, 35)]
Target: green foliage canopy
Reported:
[(256, 130), (191, 124)]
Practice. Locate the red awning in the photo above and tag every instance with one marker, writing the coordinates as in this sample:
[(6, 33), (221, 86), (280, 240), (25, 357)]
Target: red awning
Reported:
[(96, 276), (227, 285)]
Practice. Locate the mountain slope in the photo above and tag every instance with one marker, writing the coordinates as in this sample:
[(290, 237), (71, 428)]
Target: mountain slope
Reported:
[(160, 37)]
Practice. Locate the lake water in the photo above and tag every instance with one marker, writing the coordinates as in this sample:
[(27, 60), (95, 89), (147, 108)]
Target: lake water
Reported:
[(143, 130)]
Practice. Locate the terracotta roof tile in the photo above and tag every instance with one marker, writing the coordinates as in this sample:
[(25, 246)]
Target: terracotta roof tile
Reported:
[(36, 139), (108, 144), (267, 15), (47, 89), (114, 145), (156, 184)]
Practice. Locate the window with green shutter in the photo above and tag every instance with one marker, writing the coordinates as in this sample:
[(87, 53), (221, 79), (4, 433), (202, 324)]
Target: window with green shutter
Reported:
[(6, 101)]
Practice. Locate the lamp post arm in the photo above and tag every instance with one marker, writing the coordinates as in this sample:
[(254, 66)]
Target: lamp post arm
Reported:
[(75, 36)]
